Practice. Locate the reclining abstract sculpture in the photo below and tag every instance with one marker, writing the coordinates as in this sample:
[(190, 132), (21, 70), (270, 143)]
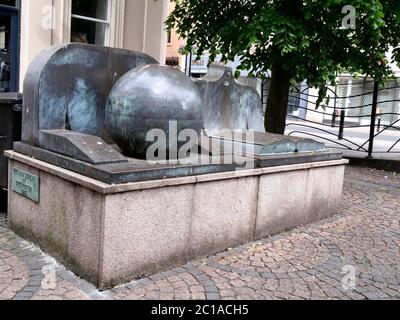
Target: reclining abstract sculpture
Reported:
[(111, 96), (88, 110)]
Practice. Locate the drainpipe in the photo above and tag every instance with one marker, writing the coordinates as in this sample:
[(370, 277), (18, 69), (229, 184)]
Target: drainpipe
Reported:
[(145, 25)]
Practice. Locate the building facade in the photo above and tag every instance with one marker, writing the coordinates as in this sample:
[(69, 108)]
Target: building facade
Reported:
[(174, 45), (29, 26)]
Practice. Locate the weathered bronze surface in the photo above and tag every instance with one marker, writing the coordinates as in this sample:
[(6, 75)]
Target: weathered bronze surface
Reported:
[(66, 87), (263, 143), (228, 104), (229, 107), (80, 146), (153, 97)]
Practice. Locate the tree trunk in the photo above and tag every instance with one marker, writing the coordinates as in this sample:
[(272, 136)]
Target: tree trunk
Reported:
[(278, 99)]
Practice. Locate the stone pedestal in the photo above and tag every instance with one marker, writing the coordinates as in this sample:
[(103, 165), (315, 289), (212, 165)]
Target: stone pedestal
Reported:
[(111, 234)]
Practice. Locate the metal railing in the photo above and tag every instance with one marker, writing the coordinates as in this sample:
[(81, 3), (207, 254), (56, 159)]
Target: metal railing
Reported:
[(358, 116)]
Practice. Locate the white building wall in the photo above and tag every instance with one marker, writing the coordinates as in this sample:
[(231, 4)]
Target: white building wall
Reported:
[(135, 25), (34, 37), (312, 101)]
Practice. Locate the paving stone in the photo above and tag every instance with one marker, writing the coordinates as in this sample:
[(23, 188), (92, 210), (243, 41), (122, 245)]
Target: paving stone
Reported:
[(304, 263), (24, 294), (156, 277), (213, 296), (30, 289)]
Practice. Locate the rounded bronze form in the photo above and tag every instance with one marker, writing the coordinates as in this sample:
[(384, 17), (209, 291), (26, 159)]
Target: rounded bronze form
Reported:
[(151, 100)]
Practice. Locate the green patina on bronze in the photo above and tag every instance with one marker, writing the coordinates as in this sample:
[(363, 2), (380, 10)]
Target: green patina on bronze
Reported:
[(26, 184)]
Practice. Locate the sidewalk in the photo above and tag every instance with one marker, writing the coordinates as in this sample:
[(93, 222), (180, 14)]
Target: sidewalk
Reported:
[(306, 263)]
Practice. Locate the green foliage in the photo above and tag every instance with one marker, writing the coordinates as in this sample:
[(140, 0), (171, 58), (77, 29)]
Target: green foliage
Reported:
[(305, 37)]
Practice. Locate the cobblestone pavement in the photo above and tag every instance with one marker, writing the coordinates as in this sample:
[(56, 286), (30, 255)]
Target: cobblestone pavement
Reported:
[(312, 262)]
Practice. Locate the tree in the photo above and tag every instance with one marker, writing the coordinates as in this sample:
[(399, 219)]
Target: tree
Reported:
[(296, 40)]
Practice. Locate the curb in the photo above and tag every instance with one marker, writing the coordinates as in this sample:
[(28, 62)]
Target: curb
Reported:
[(379, 164)]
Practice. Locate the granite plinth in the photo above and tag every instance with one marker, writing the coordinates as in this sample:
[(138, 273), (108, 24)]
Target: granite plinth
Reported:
[(112, 234)]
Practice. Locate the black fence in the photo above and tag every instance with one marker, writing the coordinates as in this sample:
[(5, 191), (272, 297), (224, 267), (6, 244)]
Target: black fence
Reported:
[(358, 116)]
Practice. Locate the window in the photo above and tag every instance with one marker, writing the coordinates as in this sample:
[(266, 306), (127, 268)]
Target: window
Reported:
[(10, 3), (90, 21), (169, 36), (172, 61), (9, 45)]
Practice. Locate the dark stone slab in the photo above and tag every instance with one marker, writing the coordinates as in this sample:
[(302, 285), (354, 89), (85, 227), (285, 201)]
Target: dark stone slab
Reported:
[(137, 170), (252, 144), (307, 145), (80, 146), (132, 171), (228, 104), (262, 143), (296, 158), (268, 150), (66, 87)]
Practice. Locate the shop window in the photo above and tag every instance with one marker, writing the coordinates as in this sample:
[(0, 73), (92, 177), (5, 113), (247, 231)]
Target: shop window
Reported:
[(172, 61), (90, 21), (169, 36), (9, 45), (10, 3)]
